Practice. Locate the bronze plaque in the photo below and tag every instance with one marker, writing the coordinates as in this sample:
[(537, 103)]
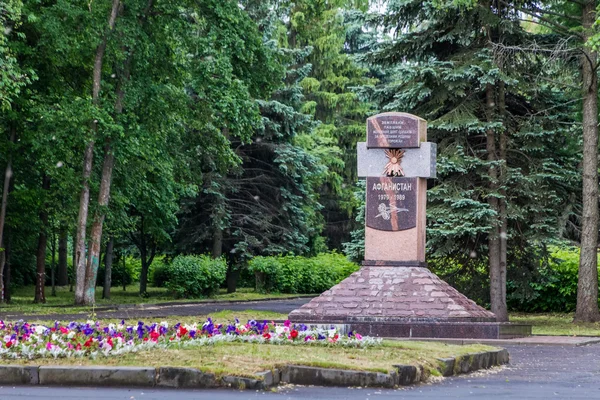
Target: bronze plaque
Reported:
[(393, 130), (391, 203)]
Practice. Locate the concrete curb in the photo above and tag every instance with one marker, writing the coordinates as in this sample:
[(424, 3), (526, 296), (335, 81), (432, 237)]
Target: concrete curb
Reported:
[(190, 378)]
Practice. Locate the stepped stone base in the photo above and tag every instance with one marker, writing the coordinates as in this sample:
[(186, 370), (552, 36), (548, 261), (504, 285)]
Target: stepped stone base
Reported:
[(399, 301)]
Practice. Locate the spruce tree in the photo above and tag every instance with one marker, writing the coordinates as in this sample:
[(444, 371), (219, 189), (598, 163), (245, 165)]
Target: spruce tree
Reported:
[(496, 193)]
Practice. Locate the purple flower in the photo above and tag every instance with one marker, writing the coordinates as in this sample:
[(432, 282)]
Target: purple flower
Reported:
[(192, 334), (231, 330)]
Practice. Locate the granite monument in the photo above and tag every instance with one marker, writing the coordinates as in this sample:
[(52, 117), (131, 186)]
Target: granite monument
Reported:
[(394, 294)]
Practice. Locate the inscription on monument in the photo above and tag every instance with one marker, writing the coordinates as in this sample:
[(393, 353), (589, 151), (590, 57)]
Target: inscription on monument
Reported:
[(391, 203), (392, 130)]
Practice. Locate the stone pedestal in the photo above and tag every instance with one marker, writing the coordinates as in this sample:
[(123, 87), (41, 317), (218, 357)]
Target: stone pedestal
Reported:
[(399, 301)]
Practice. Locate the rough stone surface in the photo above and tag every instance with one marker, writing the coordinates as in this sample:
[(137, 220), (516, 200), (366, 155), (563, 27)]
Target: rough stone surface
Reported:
[(447, 366), (270, 378), (393, 294), (97, 376), (408, 374), (175, 377), (335, 377), (15, 375), (242, 383)]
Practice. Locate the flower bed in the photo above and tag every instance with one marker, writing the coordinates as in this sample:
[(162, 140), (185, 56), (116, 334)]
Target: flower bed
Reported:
[(91, 339)]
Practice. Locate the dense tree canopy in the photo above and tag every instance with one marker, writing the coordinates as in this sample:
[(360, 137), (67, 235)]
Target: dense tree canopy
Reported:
[(230, 128)]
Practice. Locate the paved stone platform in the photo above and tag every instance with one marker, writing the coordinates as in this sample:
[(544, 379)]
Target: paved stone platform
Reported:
[(392, 292)]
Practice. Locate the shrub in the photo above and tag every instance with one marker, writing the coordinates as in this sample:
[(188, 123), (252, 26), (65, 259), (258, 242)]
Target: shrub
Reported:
[(554, 288), (159, 272), (196, 276), (296, 274), (122, 272)]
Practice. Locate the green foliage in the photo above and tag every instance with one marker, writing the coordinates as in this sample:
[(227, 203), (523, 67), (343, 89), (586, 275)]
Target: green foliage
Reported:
[(160, 272), (296, 274), (553, 288), (123, 272), (196, 276)]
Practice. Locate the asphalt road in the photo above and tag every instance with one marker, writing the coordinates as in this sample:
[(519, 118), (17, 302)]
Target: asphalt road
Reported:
[(536, 372)]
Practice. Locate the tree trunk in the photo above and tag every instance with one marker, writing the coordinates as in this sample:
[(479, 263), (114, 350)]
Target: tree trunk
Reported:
[(233, 274), (81, 297), (587, 286), (124, 281), (74, 264), (498, 304), (7, 268), (503, 216), (40, 282), (6, 187), (53, 265), (217, 249), (108, 260), (146, 261), (91, 270), (63, 269)]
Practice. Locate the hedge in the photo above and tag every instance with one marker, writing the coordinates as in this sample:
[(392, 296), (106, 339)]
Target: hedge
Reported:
[(296, 274)]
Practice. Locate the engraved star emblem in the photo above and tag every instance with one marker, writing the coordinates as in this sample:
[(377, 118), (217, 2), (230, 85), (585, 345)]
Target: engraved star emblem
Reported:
[(393, 168)]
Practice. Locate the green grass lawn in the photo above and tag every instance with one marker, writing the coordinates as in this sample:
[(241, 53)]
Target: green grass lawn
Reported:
[(246, 359), (22, 299), (556, 324)]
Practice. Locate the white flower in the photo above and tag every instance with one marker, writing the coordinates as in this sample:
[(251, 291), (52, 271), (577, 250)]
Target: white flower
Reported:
[(39, 329)]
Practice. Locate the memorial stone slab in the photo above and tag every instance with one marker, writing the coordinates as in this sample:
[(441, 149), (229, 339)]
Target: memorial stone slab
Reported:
[(391, 203), (395, 130)]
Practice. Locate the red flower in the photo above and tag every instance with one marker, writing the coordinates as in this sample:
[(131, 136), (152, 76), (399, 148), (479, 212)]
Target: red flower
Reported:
[(88, 342), (110, 342), (267, 335), (294, 334), (182, 331), (64, 330), (78, 347), (8, 344), (154, 336)]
